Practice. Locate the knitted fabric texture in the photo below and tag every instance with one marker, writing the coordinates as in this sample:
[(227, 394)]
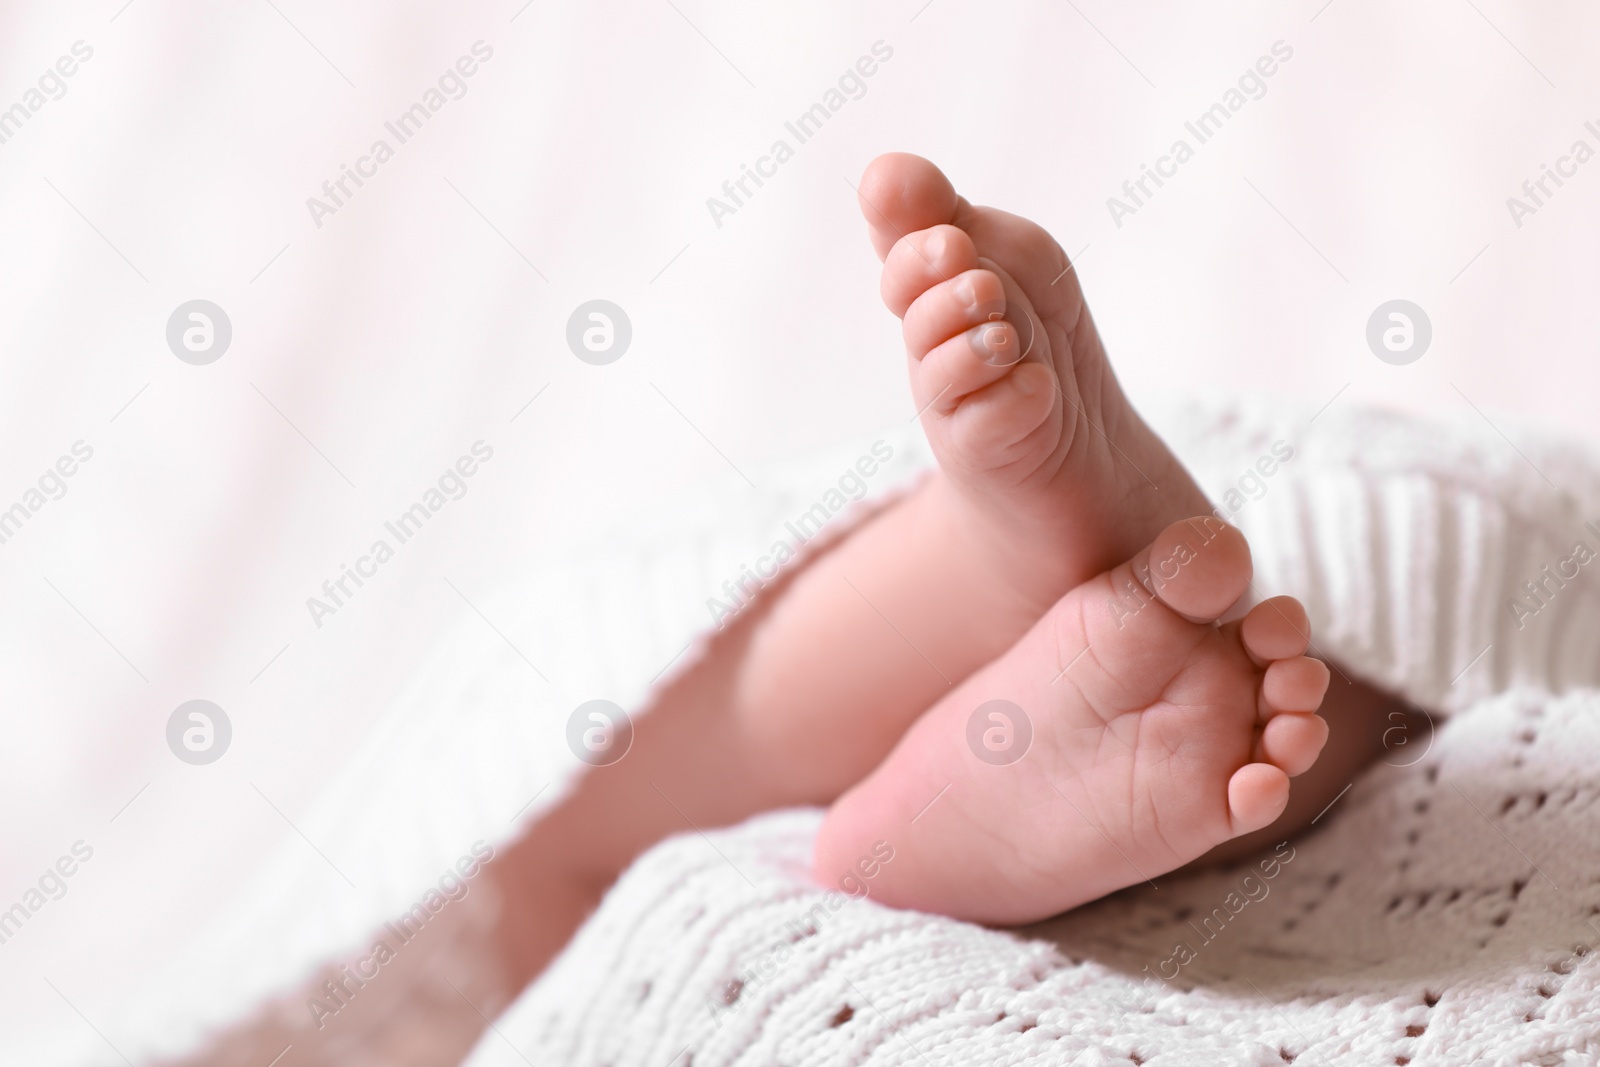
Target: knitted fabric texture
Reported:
[(1440, 912)]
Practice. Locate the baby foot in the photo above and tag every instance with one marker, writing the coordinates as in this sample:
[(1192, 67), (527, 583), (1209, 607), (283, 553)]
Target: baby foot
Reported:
[(1046, 470), (1123, 736)]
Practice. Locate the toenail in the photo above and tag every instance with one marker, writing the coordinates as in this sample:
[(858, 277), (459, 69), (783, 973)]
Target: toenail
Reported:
[(966, 292), (993, 343)]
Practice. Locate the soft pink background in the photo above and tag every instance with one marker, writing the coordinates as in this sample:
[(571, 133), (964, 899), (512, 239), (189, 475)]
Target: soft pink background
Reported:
[(406, 328)]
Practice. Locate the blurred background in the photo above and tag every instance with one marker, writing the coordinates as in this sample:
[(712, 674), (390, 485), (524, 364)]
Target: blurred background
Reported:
[(375, 338)]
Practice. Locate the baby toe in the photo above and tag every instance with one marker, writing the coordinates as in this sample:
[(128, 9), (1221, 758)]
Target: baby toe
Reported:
[(1198, 567), (1293, 742), (972, 298), (1257, 794), (901, 193), (964, 364), (1294, 685), (993, 426), (921, 260), (1275, 629)]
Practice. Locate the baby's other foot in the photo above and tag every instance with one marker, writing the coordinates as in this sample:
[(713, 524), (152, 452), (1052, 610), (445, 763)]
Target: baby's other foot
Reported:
[(1123, 736)]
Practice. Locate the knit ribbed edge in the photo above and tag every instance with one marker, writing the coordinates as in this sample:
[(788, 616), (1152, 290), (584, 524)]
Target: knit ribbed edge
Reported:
[(1414, 619), (1406, 550), (1409, 540)]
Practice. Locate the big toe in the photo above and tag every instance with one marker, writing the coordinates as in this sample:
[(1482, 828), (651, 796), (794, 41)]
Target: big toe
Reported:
[(1199, 567), (900, 194)]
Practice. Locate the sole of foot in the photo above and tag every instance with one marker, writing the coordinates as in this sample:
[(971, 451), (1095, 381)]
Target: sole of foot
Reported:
[(1126, 734)]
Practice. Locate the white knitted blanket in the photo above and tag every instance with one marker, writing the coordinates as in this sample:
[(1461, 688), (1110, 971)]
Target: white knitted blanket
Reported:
[(1440, 913)]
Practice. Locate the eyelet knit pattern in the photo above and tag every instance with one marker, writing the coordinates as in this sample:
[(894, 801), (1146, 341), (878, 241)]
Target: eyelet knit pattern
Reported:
[(1442, 912)]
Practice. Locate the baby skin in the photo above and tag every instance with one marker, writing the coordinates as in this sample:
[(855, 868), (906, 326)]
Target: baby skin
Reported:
[(1030, 577), (1123, 736), (1015, 675)]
